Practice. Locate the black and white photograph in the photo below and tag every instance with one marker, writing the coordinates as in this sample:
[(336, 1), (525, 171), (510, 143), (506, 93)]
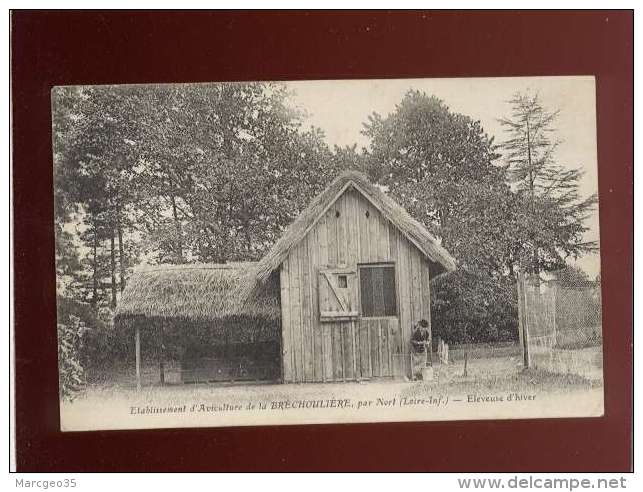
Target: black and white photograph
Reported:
[(336, 251)]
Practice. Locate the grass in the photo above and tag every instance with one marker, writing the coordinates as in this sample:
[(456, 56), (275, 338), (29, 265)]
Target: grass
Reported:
[(501, 375), (491, 374)]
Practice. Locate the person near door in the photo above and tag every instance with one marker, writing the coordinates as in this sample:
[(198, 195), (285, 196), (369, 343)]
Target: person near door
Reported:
[(420, 347)]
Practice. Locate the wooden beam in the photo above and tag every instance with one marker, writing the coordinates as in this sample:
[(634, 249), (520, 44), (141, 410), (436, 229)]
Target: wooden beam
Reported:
[(138, 358)]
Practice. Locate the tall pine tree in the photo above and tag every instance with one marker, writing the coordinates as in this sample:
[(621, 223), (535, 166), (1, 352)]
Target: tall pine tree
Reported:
[(548, 195)]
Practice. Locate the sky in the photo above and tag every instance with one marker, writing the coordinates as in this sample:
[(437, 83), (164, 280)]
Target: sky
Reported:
[(340, 108)]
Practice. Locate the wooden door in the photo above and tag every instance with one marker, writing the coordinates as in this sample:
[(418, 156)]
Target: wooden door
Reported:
[(339, 312), (355, 348)]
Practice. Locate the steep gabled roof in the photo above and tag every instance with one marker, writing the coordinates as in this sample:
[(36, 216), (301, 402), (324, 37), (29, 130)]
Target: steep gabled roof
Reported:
[(413, 230)]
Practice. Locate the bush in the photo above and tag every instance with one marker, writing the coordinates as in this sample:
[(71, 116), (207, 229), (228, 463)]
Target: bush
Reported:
[(474, 307), (71, 375), (99, 346)]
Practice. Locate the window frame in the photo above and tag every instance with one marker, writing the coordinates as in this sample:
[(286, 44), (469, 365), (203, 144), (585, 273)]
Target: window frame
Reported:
[(381, 264)]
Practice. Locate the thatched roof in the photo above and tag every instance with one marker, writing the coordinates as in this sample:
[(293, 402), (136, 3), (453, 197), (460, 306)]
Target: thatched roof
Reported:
[(200, 292), (396, 214)]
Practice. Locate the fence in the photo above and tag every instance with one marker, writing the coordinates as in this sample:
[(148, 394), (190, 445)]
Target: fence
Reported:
[(561, 325)]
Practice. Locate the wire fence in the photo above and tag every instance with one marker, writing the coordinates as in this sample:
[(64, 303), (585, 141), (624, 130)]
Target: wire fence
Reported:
[(561, 325)]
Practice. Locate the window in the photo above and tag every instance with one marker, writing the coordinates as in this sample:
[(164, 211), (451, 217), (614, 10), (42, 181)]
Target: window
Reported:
[(342, 282), (377, 290)]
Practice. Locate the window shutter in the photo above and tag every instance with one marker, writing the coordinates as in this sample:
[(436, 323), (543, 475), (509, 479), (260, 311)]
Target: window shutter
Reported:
[(337, 294)]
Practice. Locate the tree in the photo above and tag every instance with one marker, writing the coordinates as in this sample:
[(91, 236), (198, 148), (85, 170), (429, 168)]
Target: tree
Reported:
[(440, 166), (67, 257), (348, 157), (94, 132), (225, 168), (548, 193), (68, 261), (209, 173)]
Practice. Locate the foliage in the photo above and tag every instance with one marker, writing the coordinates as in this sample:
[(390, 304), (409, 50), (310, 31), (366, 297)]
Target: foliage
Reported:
[(470, 307), (446, 171), (91, 341), (68, 261), (104, 346), (440, 166), (70, 370), (224, 168), (177, 173), (571, 276), (93, 129)]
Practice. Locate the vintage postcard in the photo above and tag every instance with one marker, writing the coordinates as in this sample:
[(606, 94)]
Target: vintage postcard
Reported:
[(327, 252)]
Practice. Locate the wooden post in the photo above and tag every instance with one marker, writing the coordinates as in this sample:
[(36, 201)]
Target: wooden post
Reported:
[(523, 329), (138, 358), (526, 318), (465, 371), (161, 357), (520, 321), (554, 306)]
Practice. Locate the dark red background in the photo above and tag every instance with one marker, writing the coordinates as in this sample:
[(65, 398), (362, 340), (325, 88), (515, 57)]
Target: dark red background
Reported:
[(51, 48)]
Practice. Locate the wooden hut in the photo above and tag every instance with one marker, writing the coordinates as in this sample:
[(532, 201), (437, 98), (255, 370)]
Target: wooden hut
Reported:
[(354, 273), (194, 313), (337, 295)]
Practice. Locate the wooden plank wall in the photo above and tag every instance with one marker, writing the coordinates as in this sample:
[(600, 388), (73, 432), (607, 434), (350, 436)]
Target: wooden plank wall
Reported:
[(349, 350)]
